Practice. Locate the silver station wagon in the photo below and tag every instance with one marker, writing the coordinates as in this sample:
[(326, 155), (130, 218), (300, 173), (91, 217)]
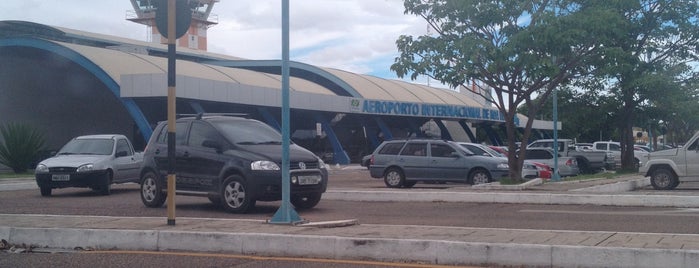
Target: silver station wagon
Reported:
[(402, 163)]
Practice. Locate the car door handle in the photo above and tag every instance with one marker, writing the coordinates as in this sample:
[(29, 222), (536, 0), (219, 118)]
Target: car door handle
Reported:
[(185, 154), (157, 151)]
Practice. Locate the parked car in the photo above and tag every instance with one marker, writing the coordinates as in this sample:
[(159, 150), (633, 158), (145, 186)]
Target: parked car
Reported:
[(366, 161), (402, 163), (668, 168), (615, 149), (588, 161), (92, 161), (567, 166), (529, 170), (642, 147), (500, 149), (544, 170), (233, 161)]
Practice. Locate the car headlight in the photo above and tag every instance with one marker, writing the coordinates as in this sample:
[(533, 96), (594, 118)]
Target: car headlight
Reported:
[(86, 168), (322, 164), (41, 168), (503, 166), (264, 165)]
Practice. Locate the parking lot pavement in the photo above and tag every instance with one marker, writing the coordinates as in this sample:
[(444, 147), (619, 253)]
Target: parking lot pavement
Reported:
[(400, 243)]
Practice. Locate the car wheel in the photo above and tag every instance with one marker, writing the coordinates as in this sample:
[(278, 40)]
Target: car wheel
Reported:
[(394, 178), (305, 201), (106, 187), (45, 190), (479, 176), (409, 184), (663, 179), (152, 194), (584, 167), (234, 195)]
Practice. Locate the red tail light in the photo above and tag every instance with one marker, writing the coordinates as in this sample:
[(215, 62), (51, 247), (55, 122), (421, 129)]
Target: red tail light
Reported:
[(569, 162), (371, 161)]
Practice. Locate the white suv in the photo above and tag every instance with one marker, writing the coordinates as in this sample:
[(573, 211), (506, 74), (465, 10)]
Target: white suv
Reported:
[(615, 148)]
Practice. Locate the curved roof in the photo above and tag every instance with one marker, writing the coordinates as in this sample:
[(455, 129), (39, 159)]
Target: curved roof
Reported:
[(117, 63), (371, 87), (119, 56)]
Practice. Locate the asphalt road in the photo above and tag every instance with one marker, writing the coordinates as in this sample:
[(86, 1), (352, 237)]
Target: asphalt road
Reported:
[(87, 259), (125, 201)]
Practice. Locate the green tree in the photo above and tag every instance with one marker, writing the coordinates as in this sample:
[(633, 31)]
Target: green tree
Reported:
[(649, 63), (517, 49), (20, 146)]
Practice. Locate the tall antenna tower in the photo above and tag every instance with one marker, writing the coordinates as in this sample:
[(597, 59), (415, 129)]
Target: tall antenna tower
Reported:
[(195, 38)]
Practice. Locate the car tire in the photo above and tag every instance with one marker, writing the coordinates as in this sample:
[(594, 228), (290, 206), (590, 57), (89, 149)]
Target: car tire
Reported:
[(479, 176), (106, 187), (152, 194), (235, 197), (45, 190), (394, 178), (305, 201), (584, 166), (663, 179)]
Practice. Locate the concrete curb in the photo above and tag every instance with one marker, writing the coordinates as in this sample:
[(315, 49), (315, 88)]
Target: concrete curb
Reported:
[(636, 200), (335, 247), (516, 187), (623, 186)]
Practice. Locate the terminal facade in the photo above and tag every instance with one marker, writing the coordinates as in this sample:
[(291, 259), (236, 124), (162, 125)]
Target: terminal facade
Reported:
[(68, 83)]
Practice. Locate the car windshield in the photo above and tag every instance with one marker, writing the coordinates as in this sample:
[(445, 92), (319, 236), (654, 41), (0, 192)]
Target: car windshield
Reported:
[(492, 152), (249, 132), (88, 146)]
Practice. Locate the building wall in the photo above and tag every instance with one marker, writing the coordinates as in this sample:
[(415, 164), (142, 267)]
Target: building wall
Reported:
[(58, 97)]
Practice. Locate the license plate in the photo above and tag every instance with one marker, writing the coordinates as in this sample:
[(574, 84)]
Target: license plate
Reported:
[(60, 177), (306, 180)]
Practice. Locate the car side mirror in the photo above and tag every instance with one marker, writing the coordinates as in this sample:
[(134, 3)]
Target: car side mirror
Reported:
[(454, 155), (121, 154), (213, 144)]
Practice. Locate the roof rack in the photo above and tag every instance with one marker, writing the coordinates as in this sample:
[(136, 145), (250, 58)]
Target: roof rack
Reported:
[(201, 115)]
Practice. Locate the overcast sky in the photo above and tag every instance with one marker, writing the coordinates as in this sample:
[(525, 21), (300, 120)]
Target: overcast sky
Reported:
[(353, 35)]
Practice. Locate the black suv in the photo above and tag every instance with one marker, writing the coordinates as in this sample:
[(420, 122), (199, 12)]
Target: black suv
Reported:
[(233, 161)]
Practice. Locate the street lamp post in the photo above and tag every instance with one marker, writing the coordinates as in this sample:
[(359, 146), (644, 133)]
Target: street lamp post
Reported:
[(555, 176)]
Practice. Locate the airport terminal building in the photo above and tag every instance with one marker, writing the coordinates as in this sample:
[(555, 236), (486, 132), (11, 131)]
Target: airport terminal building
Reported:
[(68, 83)]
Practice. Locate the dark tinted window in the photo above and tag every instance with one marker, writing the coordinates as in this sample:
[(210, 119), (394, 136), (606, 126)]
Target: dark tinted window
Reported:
[(441, 150), (601, 146), (201, 132), (180, 137), (415, 149), (248, 132), (123, 146), (538, 154), (391, 148), (614, 147)]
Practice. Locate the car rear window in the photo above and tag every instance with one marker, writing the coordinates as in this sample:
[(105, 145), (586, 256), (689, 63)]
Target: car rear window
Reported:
[(415, 149), (391, 148)]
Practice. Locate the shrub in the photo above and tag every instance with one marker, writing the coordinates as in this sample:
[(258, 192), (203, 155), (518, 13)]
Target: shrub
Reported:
[(20, 146)]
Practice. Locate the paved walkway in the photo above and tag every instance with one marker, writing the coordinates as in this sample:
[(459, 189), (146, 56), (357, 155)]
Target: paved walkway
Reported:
[(351, 239)]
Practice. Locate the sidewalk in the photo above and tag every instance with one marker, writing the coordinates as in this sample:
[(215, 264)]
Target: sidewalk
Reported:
[(396, 243)]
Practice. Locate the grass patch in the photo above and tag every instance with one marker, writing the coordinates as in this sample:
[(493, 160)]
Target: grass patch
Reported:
[(12, 175)]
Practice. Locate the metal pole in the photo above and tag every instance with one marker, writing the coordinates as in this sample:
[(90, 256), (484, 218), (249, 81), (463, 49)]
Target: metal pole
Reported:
[(285, 214), (171, 52), (555, 176)]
